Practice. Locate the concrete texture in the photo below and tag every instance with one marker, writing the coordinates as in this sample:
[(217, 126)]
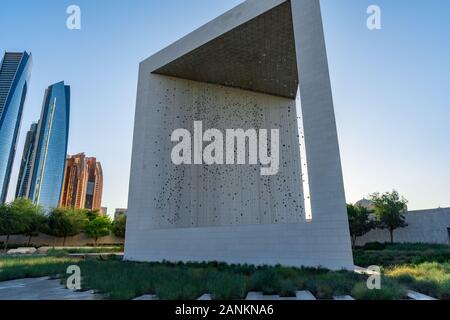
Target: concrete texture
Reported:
[(230, 74), (215, 62), (424, 226), (40, 289)]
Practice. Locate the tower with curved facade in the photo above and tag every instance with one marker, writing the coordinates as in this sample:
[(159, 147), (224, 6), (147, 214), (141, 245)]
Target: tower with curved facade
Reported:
[(15, 71), (50, 148)]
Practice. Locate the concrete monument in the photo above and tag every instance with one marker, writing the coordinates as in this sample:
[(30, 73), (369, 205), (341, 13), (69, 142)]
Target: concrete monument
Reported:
[(262, 65)]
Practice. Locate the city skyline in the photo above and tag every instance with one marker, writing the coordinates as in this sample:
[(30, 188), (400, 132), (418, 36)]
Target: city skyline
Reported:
[(374, 106)]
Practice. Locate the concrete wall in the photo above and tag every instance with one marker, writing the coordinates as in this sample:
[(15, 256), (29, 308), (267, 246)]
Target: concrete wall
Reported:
[(424, 226), (78, 240)]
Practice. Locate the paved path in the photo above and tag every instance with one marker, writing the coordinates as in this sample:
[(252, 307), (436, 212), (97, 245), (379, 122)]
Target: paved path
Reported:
[(418, 296), (40, 289)]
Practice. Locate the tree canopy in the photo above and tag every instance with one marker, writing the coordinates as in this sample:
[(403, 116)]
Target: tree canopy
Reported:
[(359, 220), (389, 210), (119, 226), (98, 227), (64, 222)]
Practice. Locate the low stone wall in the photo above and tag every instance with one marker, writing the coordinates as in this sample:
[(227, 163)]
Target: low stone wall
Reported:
[(78, 240), (424, 226)]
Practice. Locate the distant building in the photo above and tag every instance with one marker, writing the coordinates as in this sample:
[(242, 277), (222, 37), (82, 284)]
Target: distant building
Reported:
[(119, 211), (94, 188), (365, 203), (83, 183), (15, 70), (23, 183), (104, 210), (43, 161)]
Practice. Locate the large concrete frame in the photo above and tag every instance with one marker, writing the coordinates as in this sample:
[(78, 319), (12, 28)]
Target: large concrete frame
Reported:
[(241, 70)]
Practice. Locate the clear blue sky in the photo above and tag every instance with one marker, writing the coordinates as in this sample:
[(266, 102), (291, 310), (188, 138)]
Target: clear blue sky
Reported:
[(390, 86)]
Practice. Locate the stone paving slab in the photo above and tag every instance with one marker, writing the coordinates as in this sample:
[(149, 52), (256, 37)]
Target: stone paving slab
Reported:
[(419, 296), (300, 295), (147, 297), (305, 295), (253, 295), (41, 289), (344, 298)]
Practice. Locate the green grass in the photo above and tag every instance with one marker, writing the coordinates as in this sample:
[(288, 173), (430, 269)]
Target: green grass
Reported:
[(12, 268)]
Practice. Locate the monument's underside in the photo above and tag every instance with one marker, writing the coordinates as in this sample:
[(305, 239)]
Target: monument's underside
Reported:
[(258, 55), (241, 70)]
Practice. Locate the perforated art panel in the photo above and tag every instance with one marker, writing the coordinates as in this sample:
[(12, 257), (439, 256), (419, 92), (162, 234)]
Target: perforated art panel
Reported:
[(218, 195)]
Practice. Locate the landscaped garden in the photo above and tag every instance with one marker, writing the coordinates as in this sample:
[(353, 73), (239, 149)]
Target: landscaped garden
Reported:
[(423, 268), (419, 267)]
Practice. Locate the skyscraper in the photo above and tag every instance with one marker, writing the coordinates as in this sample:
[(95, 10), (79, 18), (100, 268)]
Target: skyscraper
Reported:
[(83, 183), (15, 71), (94, 188), (50, 148), (23, 183)]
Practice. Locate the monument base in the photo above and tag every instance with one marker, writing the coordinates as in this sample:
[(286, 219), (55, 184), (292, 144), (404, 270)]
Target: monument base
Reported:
[(314, 244)]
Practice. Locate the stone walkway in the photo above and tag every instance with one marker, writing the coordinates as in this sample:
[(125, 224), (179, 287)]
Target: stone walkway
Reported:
[(40, 289)]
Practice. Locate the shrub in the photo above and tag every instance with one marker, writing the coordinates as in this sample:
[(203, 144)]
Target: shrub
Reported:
[(432, 279), (226, 286), (119, 226), (387, 292), (287, 288), (266, 280), (57, 253), (374, 246), (98, 227)]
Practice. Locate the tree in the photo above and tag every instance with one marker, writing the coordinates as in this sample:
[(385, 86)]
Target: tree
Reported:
[(98, 227), (389, 209), (63, 223), (119, 226), (359, 221), (34, 220), (11, 222), (91, 215)]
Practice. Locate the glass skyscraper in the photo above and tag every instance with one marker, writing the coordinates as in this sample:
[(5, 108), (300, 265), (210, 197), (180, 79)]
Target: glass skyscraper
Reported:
[(23, 183), (50, 149), (15, 71)]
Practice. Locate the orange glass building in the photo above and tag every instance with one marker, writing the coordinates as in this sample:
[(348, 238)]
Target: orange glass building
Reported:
[(83, 183)]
